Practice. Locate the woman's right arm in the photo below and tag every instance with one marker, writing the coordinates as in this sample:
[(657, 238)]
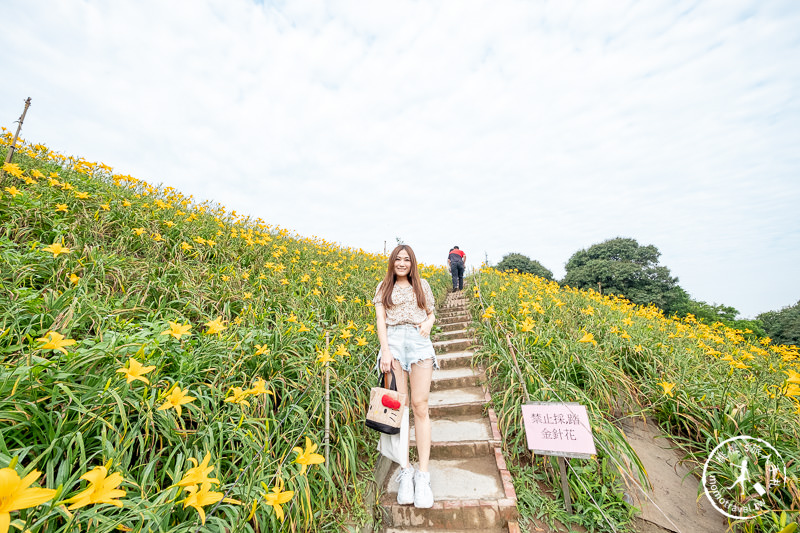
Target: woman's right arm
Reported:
[(383, 338)]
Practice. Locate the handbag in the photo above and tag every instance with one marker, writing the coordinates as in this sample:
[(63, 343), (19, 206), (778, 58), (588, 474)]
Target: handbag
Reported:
[(385, 413), (395, 447)]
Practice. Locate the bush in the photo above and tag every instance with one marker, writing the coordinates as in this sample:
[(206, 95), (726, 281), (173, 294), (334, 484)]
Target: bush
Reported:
[(523, 263)]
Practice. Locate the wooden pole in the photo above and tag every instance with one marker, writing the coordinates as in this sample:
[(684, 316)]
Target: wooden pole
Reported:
[(327, 404), (562, 467), (11, 148)]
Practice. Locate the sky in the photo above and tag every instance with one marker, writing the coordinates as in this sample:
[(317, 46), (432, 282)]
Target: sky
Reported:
[(535, 127)]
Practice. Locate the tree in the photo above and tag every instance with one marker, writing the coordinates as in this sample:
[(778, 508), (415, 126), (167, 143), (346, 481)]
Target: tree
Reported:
[(523, 263), (783, 326), (621, 266)]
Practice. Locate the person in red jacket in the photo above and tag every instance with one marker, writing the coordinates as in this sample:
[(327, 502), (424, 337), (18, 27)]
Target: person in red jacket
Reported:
[(455, 260)]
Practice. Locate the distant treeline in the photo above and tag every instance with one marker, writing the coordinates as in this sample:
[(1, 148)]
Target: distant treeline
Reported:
[(623, 267)]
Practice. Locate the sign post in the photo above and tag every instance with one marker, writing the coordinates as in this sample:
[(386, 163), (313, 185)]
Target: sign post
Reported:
[(561, 429)]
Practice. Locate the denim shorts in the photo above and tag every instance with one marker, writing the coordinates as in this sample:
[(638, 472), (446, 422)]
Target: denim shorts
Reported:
[(408, 346)]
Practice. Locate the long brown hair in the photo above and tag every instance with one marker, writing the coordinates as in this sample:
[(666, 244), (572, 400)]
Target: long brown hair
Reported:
[(387, 285)]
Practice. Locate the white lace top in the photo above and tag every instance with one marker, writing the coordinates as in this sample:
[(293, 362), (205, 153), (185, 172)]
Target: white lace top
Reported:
[(405, 309)]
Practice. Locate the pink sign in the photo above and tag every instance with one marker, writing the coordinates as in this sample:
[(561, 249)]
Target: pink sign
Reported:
[(555, 428)]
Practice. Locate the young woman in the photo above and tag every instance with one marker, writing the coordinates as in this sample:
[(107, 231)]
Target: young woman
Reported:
[(404, 309)]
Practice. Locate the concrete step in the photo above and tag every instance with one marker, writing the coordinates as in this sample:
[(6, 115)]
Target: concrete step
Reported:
[(453, 334), (453, 402), (468, 494), (455, 325), (450, 319), (458, 428), (450, 313), (426, 530), (453, 378), (455, 359), (460, 437), (453, 345)]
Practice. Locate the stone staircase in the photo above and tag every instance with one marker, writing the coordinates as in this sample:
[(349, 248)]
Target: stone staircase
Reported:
[(471, 485)]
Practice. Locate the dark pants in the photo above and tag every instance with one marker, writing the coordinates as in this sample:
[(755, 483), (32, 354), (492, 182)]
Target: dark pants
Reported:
[(457, 270)]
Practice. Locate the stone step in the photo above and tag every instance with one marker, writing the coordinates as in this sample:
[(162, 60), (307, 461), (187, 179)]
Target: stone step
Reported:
[(468, 494), (458, 428), (460, 436), (455, 325), (427, 530), (453, 402), (453, 378), (453, 334), (453, 318), (455, 359), (449, 313), (452, 345)]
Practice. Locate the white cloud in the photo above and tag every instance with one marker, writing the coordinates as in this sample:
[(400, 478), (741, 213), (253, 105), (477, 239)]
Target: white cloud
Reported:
[(499, 126)]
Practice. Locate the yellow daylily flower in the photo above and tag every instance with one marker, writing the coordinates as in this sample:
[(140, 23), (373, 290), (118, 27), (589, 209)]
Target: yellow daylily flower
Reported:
[(56, 249), (292, 318), (177, 330), (13, 191), (200, 498), (527, 325), (175, 399), (105, 207), (16, 493), (102, 489), (55, 341), (324, 357), (186, 246), (74, 278), (346, 334), (361, 341), (667, 387), (135, 371), (81, 195), (198, 474), (259, 387), (215, 326), (340, 299), (278, 497), (239, 396), (303, 328), (138, 231), (588, 337), (341, 350), (12, 169), (262, 349), (62, 208), (307, 457)]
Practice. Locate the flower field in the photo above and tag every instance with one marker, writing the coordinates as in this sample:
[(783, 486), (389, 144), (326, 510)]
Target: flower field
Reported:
[(163, 360), (703, 384)]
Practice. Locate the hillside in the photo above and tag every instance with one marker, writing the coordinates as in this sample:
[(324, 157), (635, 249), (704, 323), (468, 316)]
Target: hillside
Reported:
[(164, 360), (168, 353), (702, 384)]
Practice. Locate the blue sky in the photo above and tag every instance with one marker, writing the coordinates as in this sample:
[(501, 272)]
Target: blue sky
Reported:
[(532, 127)]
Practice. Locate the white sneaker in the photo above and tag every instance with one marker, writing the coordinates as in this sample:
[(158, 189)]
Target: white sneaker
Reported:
[(405, 492), (423, 495)]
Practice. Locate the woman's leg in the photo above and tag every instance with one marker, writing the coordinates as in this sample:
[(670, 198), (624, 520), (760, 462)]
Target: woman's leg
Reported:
[(402, 387), (421, 373)]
